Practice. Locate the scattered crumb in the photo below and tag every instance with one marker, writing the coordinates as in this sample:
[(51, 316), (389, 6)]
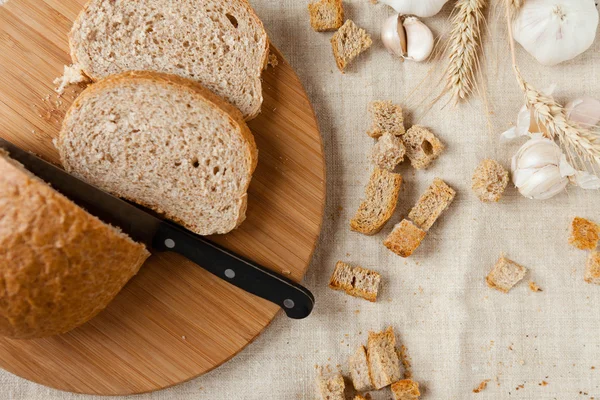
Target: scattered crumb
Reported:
[(543, 383), (481, 386), (406, 362), (593, 367), (520, 387), (273, 61), (72, 74), (358, 312), (522, 362), (286, 272), (183, 337), (534, 287)]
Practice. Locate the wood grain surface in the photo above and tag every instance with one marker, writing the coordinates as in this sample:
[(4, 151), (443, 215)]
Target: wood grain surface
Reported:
[(173, 321)]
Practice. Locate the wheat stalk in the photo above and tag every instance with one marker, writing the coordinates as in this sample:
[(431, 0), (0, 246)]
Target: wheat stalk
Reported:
[(463, 48), (577, 141)]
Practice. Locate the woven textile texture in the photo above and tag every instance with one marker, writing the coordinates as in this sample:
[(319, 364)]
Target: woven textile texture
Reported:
[(458, 332)]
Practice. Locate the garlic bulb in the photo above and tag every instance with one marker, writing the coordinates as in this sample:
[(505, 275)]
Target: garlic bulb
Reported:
[(554, 31), (536, 169), (420, 8), (584, 111), (407, 37)]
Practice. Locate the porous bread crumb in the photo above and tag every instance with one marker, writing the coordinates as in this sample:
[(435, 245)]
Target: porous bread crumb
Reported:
[(355, 281), (406, 389), (592, 269), (422, 146), (388, 152), (584, 234), (505, 275), (406, 362), (482, 386), (489, 181), (432, 204), (348, 43), (273, 61), (384, 364), (326, 15), (534, 287), (330, 384), (72, 74), (404, 239), (359, 370), (386, 117)]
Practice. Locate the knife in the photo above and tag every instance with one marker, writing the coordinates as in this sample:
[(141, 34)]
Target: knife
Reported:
[(142, 226)]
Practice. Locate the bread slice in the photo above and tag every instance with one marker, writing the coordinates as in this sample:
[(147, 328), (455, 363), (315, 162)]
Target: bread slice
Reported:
[(378, 207), (405, 238), (359, 370), (386, 117), (326, 15), (348, 43), (59, 265), (406, 389), (422, 146), (584, 234), (592, 269), (432, 204), (489, 181), (330, 384), (384, 365), (388, 152), (220, 43), (505, 275), (166, 143), (355, 281)]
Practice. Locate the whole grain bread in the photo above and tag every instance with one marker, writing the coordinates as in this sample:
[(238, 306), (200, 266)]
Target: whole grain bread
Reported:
[(489, 181), (405, 238), (406, 389), (59, 265), (355, 281), (584, 234), (326, 15), (166, 143), (220, 43), (378, 207), (384, 364), (505, 275), (386, 117), (359, 370), (422, 146), (388, 152), (348, 43), (330, 384), (436, 199), (592, 269)]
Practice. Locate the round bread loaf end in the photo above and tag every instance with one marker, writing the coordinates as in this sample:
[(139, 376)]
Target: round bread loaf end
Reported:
[(59, 265), (166, 143)]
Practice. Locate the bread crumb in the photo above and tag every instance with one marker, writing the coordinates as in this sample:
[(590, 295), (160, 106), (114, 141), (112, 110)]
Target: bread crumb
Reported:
[(72, 74), (482, 386), (543, 383), (534, 287), (406, 362), (273, 61), (183, 337)]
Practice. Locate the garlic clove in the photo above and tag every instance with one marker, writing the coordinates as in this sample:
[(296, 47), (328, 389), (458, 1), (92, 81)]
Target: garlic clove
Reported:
[(420, 8), (587, 181), (584, 111), (419, 39), (543, 184), (554, 31), (393, 35)]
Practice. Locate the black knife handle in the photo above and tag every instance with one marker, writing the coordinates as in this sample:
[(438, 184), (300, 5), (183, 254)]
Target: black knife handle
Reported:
[(294, 299)]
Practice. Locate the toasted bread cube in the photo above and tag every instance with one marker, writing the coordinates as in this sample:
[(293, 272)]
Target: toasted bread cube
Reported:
[(388, 152), (330, 385), (387, 117), (405, 238), (422, 146), (432, 204), (406, 389), (378, 207), (348, 43), (359, 370), (355, 281), (326, 15), (384, 365), (489, 181), (584, 234), (505, 275), (592, 270)]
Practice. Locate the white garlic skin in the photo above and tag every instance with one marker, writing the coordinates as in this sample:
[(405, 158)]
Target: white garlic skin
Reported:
[(554, 31), (407, 37), (419, 39), (420, 8), (584, 111), (536, 169)]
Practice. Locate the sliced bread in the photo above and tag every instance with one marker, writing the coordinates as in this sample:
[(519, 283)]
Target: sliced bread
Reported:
[(355, 281), (384, 364), (166, 143), (326, 15), (406, 389), (348, 43), (359, 370), (59, 265), (330, 384), (405, 238), (220, 43), (505, 275), (585, 234), (432, 204)]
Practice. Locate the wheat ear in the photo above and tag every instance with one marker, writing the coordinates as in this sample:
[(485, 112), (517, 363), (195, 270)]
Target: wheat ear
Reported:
[(463, 48), (576, 141)]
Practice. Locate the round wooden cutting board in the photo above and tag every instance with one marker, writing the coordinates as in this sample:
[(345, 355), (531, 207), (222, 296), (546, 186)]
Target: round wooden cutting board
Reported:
[(173, 321)]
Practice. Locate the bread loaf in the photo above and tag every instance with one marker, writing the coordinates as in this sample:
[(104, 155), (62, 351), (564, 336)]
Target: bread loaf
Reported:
[(59, 265), (220, 43), (166, 143)]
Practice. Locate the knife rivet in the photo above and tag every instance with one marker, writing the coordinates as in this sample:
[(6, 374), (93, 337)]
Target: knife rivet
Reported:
[(170, 243), (288, 303), (230, 273)]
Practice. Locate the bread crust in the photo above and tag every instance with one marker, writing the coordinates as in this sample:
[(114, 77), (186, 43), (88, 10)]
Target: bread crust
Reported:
[(258, 82), (174, 82), (59, 265)]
